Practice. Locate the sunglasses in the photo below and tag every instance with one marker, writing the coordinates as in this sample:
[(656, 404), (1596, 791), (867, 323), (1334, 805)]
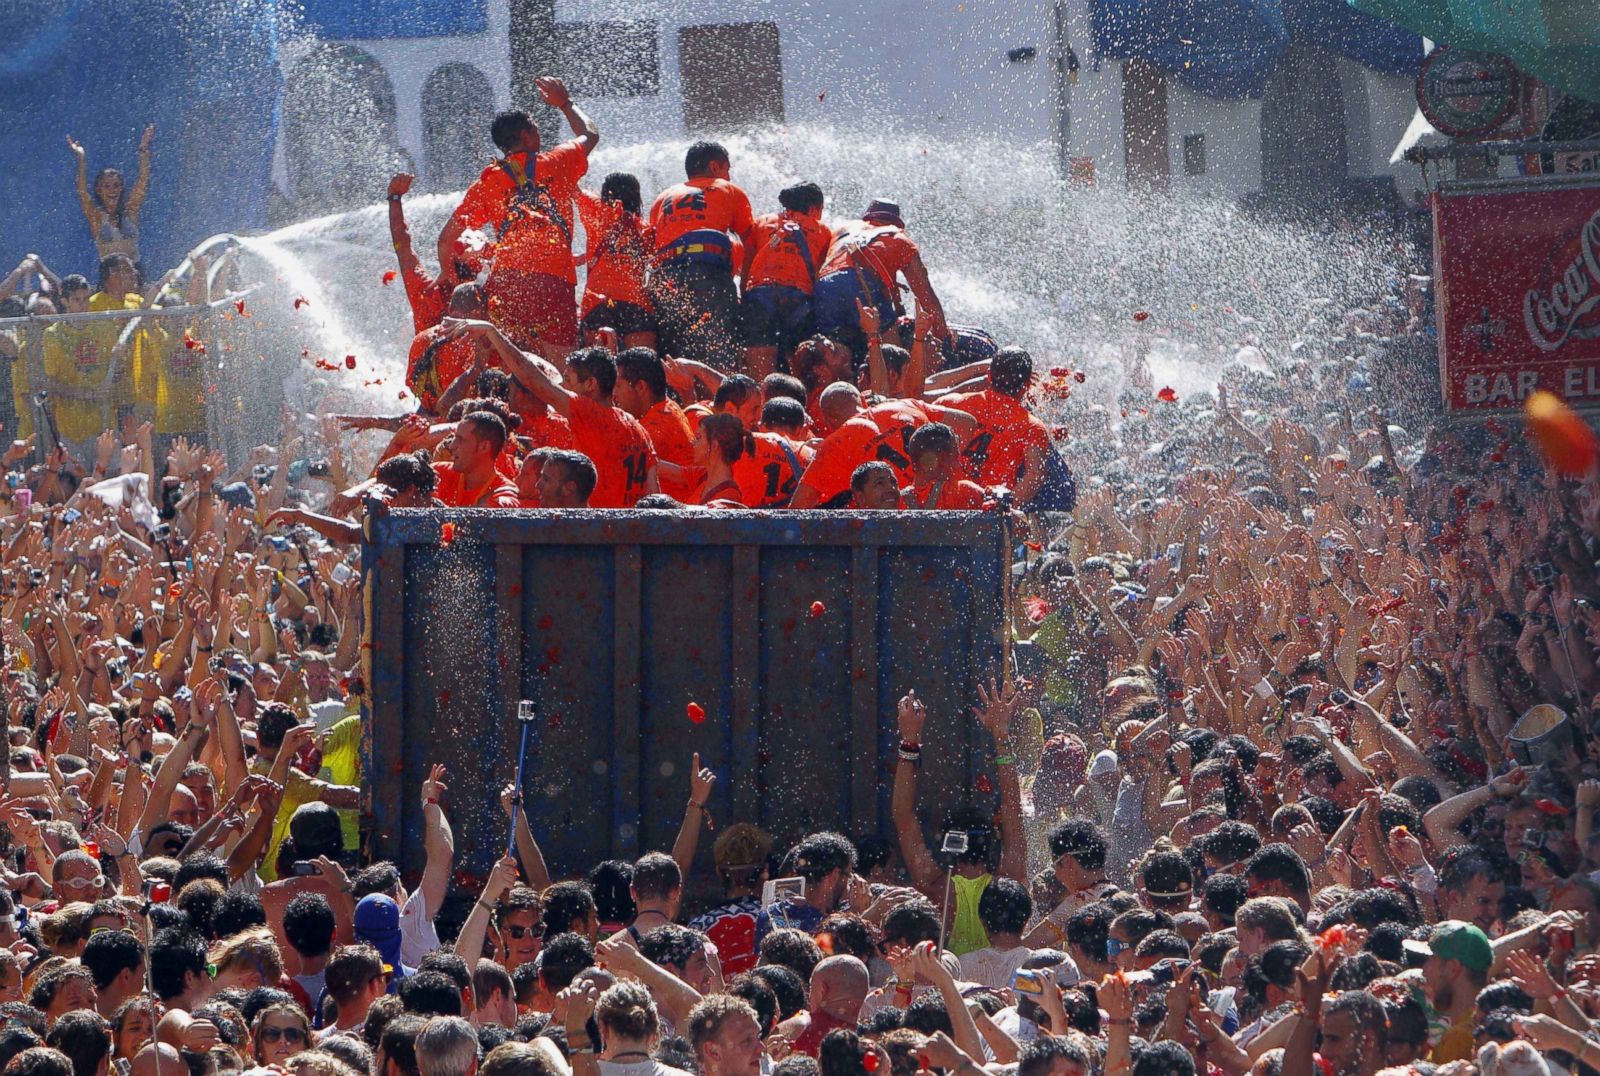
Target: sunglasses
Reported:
[(520, 932), (1114, 946), (291, 1035), (82, 883)]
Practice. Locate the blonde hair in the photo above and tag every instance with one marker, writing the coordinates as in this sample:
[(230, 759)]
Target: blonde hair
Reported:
[(250, 950)]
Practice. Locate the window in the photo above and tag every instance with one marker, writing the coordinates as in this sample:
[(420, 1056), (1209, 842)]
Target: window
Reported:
[(457, 105), (339, 127), (1194, 155), (732, 76)]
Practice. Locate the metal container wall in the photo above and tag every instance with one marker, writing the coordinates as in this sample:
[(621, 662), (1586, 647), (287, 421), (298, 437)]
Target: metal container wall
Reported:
[(613, 623)]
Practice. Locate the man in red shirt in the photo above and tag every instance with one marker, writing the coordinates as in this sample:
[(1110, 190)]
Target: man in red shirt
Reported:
[(619, 447), (556, 478), (619, 256), (439, 358), (428, 295), (851, 434), (780, 273), (872, 487), (692, 286), (642, 392), (528, 199), (471, 479), (865, 264), (936, 473), (1012, 445)]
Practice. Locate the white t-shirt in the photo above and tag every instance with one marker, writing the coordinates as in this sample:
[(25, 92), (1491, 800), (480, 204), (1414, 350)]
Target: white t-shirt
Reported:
[(417, 936), (650, 1067), (994, 967)]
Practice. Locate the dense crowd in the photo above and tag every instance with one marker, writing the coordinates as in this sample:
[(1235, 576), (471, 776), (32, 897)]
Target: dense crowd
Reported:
[(1267, 797)]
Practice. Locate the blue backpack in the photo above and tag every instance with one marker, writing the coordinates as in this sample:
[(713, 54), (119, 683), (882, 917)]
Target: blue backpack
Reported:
[(1059, 493)]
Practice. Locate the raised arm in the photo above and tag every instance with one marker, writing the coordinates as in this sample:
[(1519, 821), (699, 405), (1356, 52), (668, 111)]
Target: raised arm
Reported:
[(141, 186), (998, 711), (399, 233), (528, 850), (554, 92), (85, 199), (930, 311), (688, 842), (338, 531), (469, 945), (920, 866), (527, 369), (438, 841)]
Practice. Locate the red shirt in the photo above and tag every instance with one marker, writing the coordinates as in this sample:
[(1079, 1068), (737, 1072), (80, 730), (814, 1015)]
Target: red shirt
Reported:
[(898, 419), (777, 251), (1006, 430), (882, 249), (700, 213), (428, 298), (956, 494), (450, 359), (767, 478), (620, 248), (669, 433), (546, 430), (619, 448), (500, 492), (534, 217), (840, 453)]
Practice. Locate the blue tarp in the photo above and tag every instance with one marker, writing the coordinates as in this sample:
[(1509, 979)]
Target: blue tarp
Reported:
[(1229, 48), (365, 20), (204, 72)]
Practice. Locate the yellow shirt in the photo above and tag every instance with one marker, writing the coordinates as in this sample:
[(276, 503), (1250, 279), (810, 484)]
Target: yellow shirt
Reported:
[(297, 790), (1456, 1042), (139, 375), (21, 394), (77, 357), (341, 765), (180, 390)]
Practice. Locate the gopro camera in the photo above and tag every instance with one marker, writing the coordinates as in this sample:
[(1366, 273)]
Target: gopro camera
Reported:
[(955, 842), (783, 890), (1027, 982), (1542, 574), (525, 712)]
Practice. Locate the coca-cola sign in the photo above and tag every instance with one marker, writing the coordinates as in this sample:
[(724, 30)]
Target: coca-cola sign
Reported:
[(1553, 313), (1517, 282)]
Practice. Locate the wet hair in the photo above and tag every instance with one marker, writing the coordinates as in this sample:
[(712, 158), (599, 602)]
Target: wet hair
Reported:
[(595, 364), (862, 474), (701, 156), (44, 991), (73, 282), (174, 954), (1419, 791), (562, 903), (349, 971), (760, 997), (1038, 1056), (782, 413), (820, 854), (308, 924), (398, 1042), (110, 264), (1163, 1059), (1162, 943), (16, 1040), (239, 911), (725, 434), (735, 390), (563, 958), (801, 198), (786, 986), (841, 1052), (934, 437), (913, 922), (1224, 894), (1089, 927), (1324, 812), (792, 949), (1367, 1010), (1167, 877), (110, 953), (627, 1009), (927, 1014), (1282, 864), (609, 882), (1082, 840), (642, 364), (783, 386), (408, 471), (507, 128), (575, 467), (1005, 906), (430, 993), (623, 189), (1011, 371), (488, 427), (40, 1061), (1231, 842)]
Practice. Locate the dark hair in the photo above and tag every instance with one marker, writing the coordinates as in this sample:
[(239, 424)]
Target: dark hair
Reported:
[(801, 197), (17, 1039), (578, 468), (1279, 863), (655, 876), (309, 923), (1038, 1056), (1280, 960), (1165, 1058), (40, 1061), (927, 1014), (1088, 928), (623, 189), (112, 262), (1231, 842), (1419, 791), (507, 129), (1461, 863), (1324, 812), (725, 433), (110, 953), (197, 865), (488, 426), (1504, 994), (74, 282), (701, 156), (1325, 767), (84, 1037), (273, 722), (349, 971), (430, 993), (1082, 840), (933, 437), (792, 949), (448, 962), (783, 386), (1167, 877), (1011, 371), (240, 910), (642, 364), (759, 996), (399, 1042), (1368, 1011), (595, 364), (913, 922), (864, 472), (562, 903), (736, 389), (821, 854), (1224, 894), (783, 413), (174, 955), (788, 987), (609, 882), (408, 471), (1005, 906), (564, 956), (1162, 943)]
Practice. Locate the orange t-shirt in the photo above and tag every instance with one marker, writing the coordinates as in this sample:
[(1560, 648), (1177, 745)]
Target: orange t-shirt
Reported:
[(449, 360), (898, 419), (776, 252), (1006, 430), (619, 448), (500, 492), (533, 214), (768, 475), (957, 494), (429, 300), (669, 433), (884, 249), (546, 430), (700, 212), (619, 253), (840, 453), (694, 413)]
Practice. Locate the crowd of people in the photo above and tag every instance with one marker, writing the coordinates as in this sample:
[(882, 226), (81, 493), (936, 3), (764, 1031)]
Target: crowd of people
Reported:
[(1264, 797)]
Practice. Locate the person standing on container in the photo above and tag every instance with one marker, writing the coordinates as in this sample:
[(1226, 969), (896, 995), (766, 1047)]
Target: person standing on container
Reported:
[(528, 198), (694, 224), (111, 209), (623, 455), (865, 263)]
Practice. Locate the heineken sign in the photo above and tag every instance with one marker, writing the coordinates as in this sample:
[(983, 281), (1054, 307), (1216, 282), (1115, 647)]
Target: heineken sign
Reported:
[(1466, 94)]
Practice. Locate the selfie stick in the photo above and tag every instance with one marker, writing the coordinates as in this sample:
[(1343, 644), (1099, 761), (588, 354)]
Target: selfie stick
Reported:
[(1572, 676), (525, 719), (944, 909)]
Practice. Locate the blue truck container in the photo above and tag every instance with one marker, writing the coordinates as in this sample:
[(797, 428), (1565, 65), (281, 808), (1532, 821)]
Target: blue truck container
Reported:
[(795, 633)]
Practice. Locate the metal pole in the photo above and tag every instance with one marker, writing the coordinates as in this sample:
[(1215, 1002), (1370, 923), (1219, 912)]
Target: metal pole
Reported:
[(525, 718)]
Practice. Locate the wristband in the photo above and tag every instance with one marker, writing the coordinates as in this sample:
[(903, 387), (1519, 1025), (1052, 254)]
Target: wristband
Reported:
[(486, 906), (430, 802), (394, 197), (910, 756), (1005, 760), (1262, 689)]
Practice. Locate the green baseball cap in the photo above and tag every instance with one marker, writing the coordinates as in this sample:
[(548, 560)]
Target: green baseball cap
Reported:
[(1458, 941)]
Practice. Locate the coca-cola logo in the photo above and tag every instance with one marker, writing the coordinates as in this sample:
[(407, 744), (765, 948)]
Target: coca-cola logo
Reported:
[(1556, 312)]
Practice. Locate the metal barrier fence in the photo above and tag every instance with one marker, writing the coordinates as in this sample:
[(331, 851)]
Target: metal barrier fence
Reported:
[(793, 635)]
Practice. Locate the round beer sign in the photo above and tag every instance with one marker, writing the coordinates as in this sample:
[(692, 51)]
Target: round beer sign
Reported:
[(1465, 94)]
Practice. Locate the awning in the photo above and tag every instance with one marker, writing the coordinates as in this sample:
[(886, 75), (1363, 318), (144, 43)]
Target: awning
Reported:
[(1557, 41), (1229, 48)]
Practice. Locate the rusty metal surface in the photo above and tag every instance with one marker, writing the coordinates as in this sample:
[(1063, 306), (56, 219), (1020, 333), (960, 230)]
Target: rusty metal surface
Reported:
[(614, 622)]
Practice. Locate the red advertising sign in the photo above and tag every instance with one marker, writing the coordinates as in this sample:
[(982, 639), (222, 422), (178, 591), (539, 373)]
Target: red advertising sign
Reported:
[(1517, 280)]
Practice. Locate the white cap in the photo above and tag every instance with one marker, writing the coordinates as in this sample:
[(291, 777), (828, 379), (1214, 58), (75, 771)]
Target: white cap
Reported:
[(1105, 762)]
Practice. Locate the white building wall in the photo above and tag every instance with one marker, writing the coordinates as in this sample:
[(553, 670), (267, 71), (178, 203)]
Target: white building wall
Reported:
[(1232, 132)]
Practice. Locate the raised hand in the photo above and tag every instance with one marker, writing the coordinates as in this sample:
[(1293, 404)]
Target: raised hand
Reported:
[(400, 184), (701, 780), (912, 716), (997, 706), (434, 788)]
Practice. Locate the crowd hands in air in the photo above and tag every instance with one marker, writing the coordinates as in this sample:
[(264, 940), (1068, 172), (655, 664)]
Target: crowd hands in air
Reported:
[(1254, 804)]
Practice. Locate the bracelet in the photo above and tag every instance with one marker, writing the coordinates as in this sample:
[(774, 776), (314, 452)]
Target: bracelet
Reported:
[(697, 806), (1005, 760), (910, 756), (205, 649), (433, 802), (486, 906), (910, 745), (394, 197)]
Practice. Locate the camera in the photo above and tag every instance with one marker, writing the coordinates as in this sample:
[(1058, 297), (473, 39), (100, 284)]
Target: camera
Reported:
[(317, 468), (1542, 574), (955, 842)]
